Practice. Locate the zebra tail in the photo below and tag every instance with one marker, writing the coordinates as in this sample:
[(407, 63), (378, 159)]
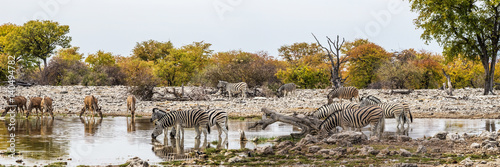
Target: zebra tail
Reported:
[(411, 116)]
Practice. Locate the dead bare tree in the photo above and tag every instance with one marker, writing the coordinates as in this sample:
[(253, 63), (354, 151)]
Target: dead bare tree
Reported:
[(333, 49), (308, 124)]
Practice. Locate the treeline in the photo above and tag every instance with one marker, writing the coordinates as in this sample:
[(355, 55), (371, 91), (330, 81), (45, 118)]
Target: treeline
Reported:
[(157, 63)]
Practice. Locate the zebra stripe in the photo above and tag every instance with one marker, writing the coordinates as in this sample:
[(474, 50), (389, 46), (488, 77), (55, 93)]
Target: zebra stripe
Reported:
[(356, 118), (233, 88), (327, 109), (369, 100), (283, 90), (342, 93), (186, 119), (391, 110)]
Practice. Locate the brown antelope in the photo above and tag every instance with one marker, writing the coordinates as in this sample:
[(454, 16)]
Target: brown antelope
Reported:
[(47, 106), (18, 101), (131, 105), (90, 103), (35, 102)]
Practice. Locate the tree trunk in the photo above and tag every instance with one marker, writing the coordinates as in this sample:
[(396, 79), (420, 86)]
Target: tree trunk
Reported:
[(308, 124)]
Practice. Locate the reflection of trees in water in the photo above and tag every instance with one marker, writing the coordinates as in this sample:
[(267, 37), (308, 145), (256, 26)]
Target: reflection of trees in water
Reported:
[(34, 138), (91, 125)]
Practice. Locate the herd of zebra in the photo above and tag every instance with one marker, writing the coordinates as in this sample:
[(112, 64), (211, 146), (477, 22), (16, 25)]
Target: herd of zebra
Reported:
[(371, 111)]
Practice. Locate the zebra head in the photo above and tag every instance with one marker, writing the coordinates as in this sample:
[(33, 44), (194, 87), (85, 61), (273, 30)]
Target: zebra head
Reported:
[(157, 131), (221, 84), (157, 114)]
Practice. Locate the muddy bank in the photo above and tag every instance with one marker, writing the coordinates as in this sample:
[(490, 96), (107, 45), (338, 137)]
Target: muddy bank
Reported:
[(467, 103)]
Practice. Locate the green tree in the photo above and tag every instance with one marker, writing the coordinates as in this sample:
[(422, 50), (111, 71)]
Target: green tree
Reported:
[(364, 61), (152, 50), (38, 39), (297, 51), (181, 64), (101, 58), (468, 27)]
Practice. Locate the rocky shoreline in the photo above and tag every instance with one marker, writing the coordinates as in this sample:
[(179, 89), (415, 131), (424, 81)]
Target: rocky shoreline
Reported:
[(425, 103)]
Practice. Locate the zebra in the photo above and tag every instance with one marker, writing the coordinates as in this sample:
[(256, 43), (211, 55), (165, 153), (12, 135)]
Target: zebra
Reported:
[(283, 90), (182, 119), (216, 117), (233, 88), (327, 109), (391, 110), (342, 93), (356, 118)]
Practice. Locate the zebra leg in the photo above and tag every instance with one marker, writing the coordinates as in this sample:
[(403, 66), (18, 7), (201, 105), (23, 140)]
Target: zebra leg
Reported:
[(225, 130), (219, 128), (197, 130)]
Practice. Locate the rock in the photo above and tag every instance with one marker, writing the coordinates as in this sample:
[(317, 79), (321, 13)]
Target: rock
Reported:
[(284, 144), (405, 165), (314, 149), (441, 135), (404, 153), (403, 138), (255, 139), (265, 150), (488, 135), (235, 159), (487, 144), (325, 151), (137, 162), (282, 152), (367, 150), (339, 151), (467, 162), (309, 139), (421, 149), (455, 137), (346, 137), (475, 145), (260, 98)]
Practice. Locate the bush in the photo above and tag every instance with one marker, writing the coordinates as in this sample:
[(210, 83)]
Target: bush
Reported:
[(305, 76), (63, 72), (140, 76), (238, 66)]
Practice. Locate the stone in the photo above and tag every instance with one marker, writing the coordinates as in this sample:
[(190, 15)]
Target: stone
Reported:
[(441, 135), (346, 137), (235, 159), (314, 149), (137, 162), (325, 151), (265, 150), (421, 149), (455, 137), (284, 144), (367, 150), (488, 135), (467, 162), (309, 139), (475, 145), (403, 138), (404, 153)]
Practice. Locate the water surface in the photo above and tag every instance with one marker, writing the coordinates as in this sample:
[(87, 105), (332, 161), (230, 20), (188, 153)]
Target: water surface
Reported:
[(113, 140)]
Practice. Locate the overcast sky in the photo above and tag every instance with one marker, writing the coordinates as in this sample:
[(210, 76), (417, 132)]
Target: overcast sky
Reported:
[(250, 25)]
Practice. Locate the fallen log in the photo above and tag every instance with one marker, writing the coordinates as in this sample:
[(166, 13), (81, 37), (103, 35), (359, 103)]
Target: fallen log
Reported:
[(403, 92), (308, 124)]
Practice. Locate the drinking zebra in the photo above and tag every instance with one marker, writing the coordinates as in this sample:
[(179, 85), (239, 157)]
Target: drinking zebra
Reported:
[(342, 93), (391, 110), (233, 88), (182, 119), (283, 90), (327, 109), (216, 117), (356, 118)]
